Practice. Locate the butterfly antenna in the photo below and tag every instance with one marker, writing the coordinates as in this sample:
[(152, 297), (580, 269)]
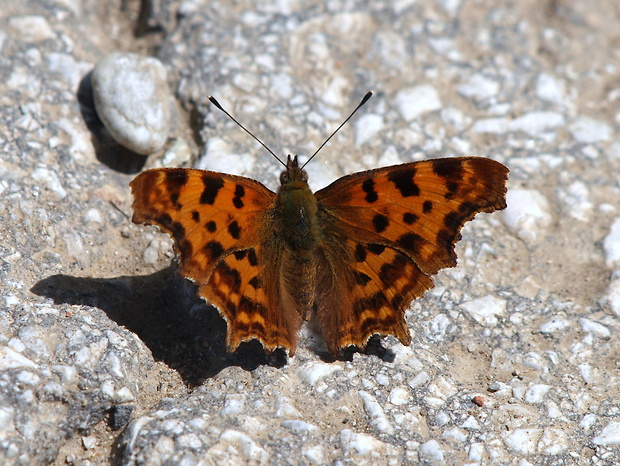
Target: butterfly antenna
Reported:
[(364, 100), (214, 101)]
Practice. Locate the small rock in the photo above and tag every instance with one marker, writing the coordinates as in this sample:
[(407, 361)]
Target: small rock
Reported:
[(588, 130), (415, 101), (32, 28), (478, 87), (611, 299), (524, 441), (312, 372), (527, 213), (536, 393), (367, 127), (610, 435), (611, 244), (132, 99), (550, 89), (362, 444), (486, 309), (431, 452), (299, 427)]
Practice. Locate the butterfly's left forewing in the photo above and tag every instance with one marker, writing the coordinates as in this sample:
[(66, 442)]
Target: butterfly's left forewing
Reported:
[(386, 232), (221, 229)]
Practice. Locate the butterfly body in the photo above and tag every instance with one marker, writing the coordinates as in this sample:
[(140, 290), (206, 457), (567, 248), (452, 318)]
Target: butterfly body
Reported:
[(354, 253)]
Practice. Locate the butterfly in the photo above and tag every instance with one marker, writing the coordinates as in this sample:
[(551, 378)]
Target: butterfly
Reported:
[(354, 254)]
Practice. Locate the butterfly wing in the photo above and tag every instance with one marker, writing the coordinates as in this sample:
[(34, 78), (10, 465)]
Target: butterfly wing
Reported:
[(221, 228), (386, 232)]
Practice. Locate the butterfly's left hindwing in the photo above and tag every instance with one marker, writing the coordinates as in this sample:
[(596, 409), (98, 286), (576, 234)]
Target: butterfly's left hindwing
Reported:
[(220, 225), (386, 232)]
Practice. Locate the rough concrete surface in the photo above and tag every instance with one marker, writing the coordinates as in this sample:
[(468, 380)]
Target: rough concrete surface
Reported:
[(107, 356)]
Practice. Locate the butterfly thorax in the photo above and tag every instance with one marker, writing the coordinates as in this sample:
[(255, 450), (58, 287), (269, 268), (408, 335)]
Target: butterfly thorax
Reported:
[(298, 209)]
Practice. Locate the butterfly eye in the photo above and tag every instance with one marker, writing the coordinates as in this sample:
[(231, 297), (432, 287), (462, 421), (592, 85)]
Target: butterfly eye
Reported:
[(304, 175), (284, 178)]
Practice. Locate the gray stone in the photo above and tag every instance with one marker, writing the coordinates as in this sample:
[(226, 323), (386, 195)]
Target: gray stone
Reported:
[(132, 99)]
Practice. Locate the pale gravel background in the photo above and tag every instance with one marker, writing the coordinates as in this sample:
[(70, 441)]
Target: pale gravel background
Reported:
[(95, 321)]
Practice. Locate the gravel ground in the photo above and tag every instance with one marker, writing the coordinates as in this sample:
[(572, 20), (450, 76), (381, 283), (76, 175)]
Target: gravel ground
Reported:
[(107, 356)]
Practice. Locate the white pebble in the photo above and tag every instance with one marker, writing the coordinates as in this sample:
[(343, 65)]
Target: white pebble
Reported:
[(251, 451), (550, 89), (471, 424), (536, 393), (299, 427), (588, 130), (93, 215), (361, 444), (132, 99), (431, 452), (523, 441), (537, 123), (10, 359), (478, 87), (611, 244), (233, 405), (312, 372), (284, 408), (415, 101), (610, 301), (374, 410), (399, 396), (315, 454), (485, 310), (553, 442), (31, 28), (597, 329), (455, 434), (528, 213), (367, 127), (50, 178), (442, 388), (89, 442), (420, 379), (610, 435), (554, 325)]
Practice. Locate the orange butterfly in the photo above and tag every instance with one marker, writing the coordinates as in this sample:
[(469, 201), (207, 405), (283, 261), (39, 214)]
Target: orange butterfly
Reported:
[(356, 253)]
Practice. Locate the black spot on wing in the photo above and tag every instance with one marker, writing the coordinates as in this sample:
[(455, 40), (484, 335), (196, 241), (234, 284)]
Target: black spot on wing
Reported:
[(361, 278), (256, 283), (175, 179), (409, 241), (452, 221), (174, 197), (427, 207), (195, 216), (410, 218), (240, 255), (380, 222), (212, 184), (234, 230), (252, 259), (211, 226), (214, 249), (403, 180), (360, 253), (376, 248), (368, 186), (238, 199), (177, 230), (449, 169)]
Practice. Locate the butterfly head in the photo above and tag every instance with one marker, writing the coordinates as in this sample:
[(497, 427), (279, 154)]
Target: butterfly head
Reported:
[(293, 172)]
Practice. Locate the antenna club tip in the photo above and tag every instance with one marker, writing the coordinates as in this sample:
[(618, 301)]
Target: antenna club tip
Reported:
[(214, 101)]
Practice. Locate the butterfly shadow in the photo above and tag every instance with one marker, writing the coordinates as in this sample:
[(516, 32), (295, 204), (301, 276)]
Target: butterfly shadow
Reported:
[(163, 311)]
